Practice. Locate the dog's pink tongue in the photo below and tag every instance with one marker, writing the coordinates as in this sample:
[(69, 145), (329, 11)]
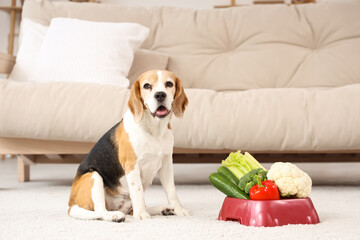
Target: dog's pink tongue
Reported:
[(161, 111)]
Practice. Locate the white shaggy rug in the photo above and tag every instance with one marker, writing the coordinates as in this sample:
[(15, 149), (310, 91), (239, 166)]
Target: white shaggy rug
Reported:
[(40, 212)]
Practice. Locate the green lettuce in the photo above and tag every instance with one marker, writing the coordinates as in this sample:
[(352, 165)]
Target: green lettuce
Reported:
[(240, 164)]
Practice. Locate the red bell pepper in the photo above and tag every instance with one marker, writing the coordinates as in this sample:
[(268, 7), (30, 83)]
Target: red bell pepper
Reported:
[(264, 190)]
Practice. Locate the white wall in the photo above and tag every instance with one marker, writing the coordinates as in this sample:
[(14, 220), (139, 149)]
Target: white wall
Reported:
[(196, 4), (5, 26)]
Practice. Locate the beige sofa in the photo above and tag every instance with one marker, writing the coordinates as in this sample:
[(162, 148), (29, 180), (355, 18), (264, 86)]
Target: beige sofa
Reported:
[(270, 79)]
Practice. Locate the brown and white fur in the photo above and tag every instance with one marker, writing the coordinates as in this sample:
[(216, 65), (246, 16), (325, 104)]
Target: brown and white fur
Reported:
[(112, 179)]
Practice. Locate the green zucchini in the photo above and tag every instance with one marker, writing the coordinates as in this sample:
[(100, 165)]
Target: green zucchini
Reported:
[(228, 174), (227, 187)]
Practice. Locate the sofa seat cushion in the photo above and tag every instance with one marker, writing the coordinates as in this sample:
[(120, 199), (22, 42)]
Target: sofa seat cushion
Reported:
[(274, 119), (261, 119), (59, 110)]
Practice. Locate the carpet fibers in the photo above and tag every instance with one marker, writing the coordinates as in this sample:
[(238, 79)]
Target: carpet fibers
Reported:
[(41, 213)]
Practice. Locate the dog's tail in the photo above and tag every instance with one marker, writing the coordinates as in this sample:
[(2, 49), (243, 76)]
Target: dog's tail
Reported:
[(82, 213)]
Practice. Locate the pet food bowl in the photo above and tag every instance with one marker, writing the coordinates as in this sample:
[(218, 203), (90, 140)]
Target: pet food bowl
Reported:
[(269, 213)]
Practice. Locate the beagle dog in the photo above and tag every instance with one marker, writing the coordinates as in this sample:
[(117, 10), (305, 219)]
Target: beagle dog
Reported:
[(111, 180)]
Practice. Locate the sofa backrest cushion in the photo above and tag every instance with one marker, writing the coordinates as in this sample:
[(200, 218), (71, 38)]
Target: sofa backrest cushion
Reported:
[(261, 46)]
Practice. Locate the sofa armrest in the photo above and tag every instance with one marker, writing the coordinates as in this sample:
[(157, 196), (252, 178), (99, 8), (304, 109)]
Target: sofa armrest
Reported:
[(7, 63)]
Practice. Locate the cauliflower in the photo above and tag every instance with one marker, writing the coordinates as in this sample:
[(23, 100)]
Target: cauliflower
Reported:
[(290, 179)]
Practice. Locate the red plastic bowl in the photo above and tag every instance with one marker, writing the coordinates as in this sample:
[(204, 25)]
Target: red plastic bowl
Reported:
[(269, 213)]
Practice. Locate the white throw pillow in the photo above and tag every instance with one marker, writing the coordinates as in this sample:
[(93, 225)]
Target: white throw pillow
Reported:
[(31, 39), (82, 51)]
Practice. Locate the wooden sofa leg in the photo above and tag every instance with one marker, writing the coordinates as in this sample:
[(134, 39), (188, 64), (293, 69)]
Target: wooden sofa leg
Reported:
[(23, 170)]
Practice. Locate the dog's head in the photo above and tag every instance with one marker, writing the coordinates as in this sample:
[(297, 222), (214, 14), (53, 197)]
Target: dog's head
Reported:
[(158, 91)]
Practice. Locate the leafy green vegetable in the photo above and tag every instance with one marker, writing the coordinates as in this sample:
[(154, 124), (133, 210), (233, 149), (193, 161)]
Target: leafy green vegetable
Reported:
[(240, 164), (251, 178)]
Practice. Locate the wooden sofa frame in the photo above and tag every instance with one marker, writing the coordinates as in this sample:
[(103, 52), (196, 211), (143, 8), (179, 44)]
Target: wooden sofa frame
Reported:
[(34, 151)]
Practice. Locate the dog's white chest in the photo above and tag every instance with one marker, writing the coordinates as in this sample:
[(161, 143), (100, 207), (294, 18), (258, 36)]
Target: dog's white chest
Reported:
[(150, 138), (149, 167), (147, 145), (152, 142)]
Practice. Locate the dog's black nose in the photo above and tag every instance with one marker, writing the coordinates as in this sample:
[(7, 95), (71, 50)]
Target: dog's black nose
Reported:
[(160, 96)]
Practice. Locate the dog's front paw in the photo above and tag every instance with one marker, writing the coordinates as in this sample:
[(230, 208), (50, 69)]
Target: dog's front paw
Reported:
[(141, 215), (180, 211), (167, 212), (114, 216)]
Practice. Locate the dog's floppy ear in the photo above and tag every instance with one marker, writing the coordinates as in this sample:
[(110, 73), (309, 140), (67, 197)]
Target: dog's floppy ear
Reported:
[(180, 99), (135, 103)]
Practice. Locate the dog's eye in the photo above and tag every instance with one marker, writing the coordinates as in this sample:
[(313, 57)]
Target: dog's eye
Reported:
[(147, 86), (169, 84)]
